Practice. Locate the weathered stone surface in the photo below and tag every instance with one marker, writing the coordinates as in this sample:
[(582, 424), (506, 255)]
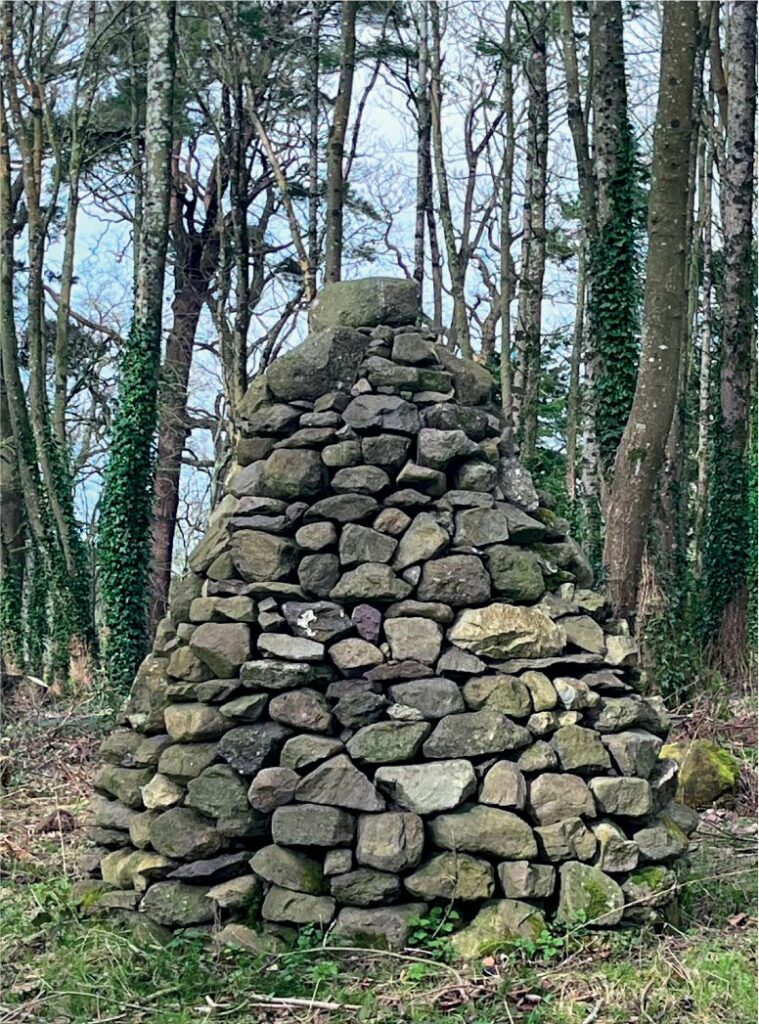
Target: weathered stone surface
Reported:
[(378, 927), (583, 632), (290, 648), (339, 783), (522, 880), (647, 891), (177, 905), (365, 887), (123, 783), (360, 708), (272, 787), (541, 689), (427, 788), (481, 829), (480, 527), (288, 869), (316, 536), (616, 853), (360, 480), (327, 360), (372, 581), (499, 922), (423, 478), (382, 412), (504, 786), (244, 709), (436, 448), (458, 662), (412, 348), (354, 655), (432, 697), (311, 825), (280, 675), (706, 771), (566, 840), (413, 637), (664, 841), (523, 529), (188, 722), (293, 473), (390, 301), (184, 761), (423, 540), (260, 557), (516, 574), (587, 890), (630, 798), (317, 574), (235, 894), (621, 650), (392, 841), (363, 544), (474, 733), (505, 630), (184, 834), (301, 709), (212, 870), (557, 797), (249, 748), (186, 665), (337, 862), (472, 382), (367, 621), (634, 752), (580, 750), (476, 476), (223, 609), (458, 580), (119, 748), (506, 694), (296, 907), (538, 757), (452, 876), (387, 742), (343, 508), (161, 793), (302, 752), (239, 936), (388, 450)]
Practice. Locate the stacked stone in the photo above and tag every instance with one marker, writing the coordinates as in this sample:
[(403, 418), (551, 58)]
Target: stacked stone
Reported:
[(385, 682)]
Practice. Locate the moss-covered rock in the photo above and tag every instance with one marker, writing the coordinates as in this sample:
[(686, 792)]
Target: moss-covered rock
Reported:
[(707, 771), (497, 924), (585, 891)]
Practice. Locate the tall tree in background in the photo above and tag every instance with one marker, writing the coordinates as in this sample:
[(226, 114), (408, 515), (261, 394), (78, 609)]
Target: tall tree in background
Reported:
[(729, 527), (333, 259), (641, 450), (527, 327), (127, 491)]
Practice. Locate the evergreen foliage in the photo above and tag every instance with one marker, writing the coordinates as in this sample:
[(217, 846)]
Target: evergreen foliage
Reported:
[(124, 537)]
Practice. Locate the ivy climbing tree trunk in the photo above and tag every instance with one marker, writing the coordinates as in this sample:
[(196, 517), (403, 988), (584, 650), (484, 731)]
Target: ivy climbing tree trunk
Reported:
[(124, 546), (527, 329), (336, 143), (729, 526), (641, 450)]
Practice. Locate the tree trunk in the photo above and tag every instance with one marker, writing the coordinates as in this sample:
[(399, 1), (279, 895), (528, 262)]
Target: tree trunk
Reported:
[(313, 144), (336, 143), (128, 485), (505, 269), (705, 354), (527, 330), (641, 451), (729, 520), (573, 393)]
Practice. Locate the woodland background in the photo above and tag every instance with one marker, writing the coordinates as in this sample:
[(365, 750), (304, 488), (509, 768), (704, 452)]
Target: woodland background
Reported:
[(572, 185)]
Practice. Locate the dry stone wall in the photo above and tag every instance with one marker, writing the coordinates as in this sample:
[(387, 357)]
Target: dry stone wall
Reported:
[(385, 683)]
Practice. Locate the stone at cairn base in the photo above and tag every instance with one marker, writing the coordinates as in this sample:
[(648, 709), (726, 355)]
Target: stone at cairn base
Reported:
[(385, 677)]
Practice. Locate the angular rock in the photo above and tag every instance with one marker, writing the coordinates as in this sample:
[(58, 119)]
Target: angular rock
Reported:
[(616, 853), (523, 529), (328, 359), (504, 630), (580, 750), (436, 448), (365, 887), (516, 574), (412, 637), (427, 788), (474, 733), (302, 752), (360, 708), (215, 869), (248, 748), (481, 829), (522, 880), (387, 742), (259, 557), (184, 664), (429, 481), (236, 894), (293, 473), (317, 574), (558, 797), (161, 793), (647, 891), (177, 905), (311, 825), (458, 662), (365, 303), (480, 527), (583, 632), (706, 771), (280, 675), (301, 709), (392, 841), (388, 450), (244, 709), (343, 508), (220, 793), (188, 722), (338, 783), (541, 689), (634, 752), (472, 382), (452, 876), (368, 622), (458, 580), (506, 694), (290, 648), (378, 927), (432, 697), (316, 536), (288, 907), (372, 581), (566, 840), (382, 412), (353, 655), (288, 869), (337, 862), (629, 798), (271, 788), (588, 891), (184, 761), (363, 544), (123, 783), (538, 757), (422, 541), (499, 922), (665, 841), (504, 786), (184, 834)]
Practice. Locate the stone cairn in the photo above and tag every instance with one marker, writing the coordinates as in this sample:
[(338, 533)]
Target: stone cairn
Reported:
[(385, 683)]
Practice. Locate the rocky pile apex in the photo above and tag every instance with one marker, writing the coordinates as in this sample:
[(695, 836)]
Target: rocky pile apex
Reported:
[(385, 682)]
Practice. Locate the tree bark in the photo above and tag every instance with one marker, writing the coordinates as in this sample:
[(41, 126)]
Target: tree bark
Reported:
[(313, 143), (641, 451), (506, 269), (422, 148), (336, 144)]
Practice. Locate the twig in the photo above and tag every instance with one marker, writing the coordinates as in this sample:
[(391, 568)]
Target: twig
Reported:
[(593, 1015), (310, 1004)]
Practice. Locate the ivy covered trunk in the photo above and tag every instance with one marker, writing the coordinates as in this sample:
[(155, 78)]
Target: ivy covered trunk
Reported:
[(641, 450), (729, 525), (128, 487)]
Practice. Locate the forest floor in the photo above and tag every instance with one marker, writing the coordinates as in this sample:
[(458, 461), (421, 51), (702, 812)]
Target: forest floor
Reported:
[(59, 968)]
